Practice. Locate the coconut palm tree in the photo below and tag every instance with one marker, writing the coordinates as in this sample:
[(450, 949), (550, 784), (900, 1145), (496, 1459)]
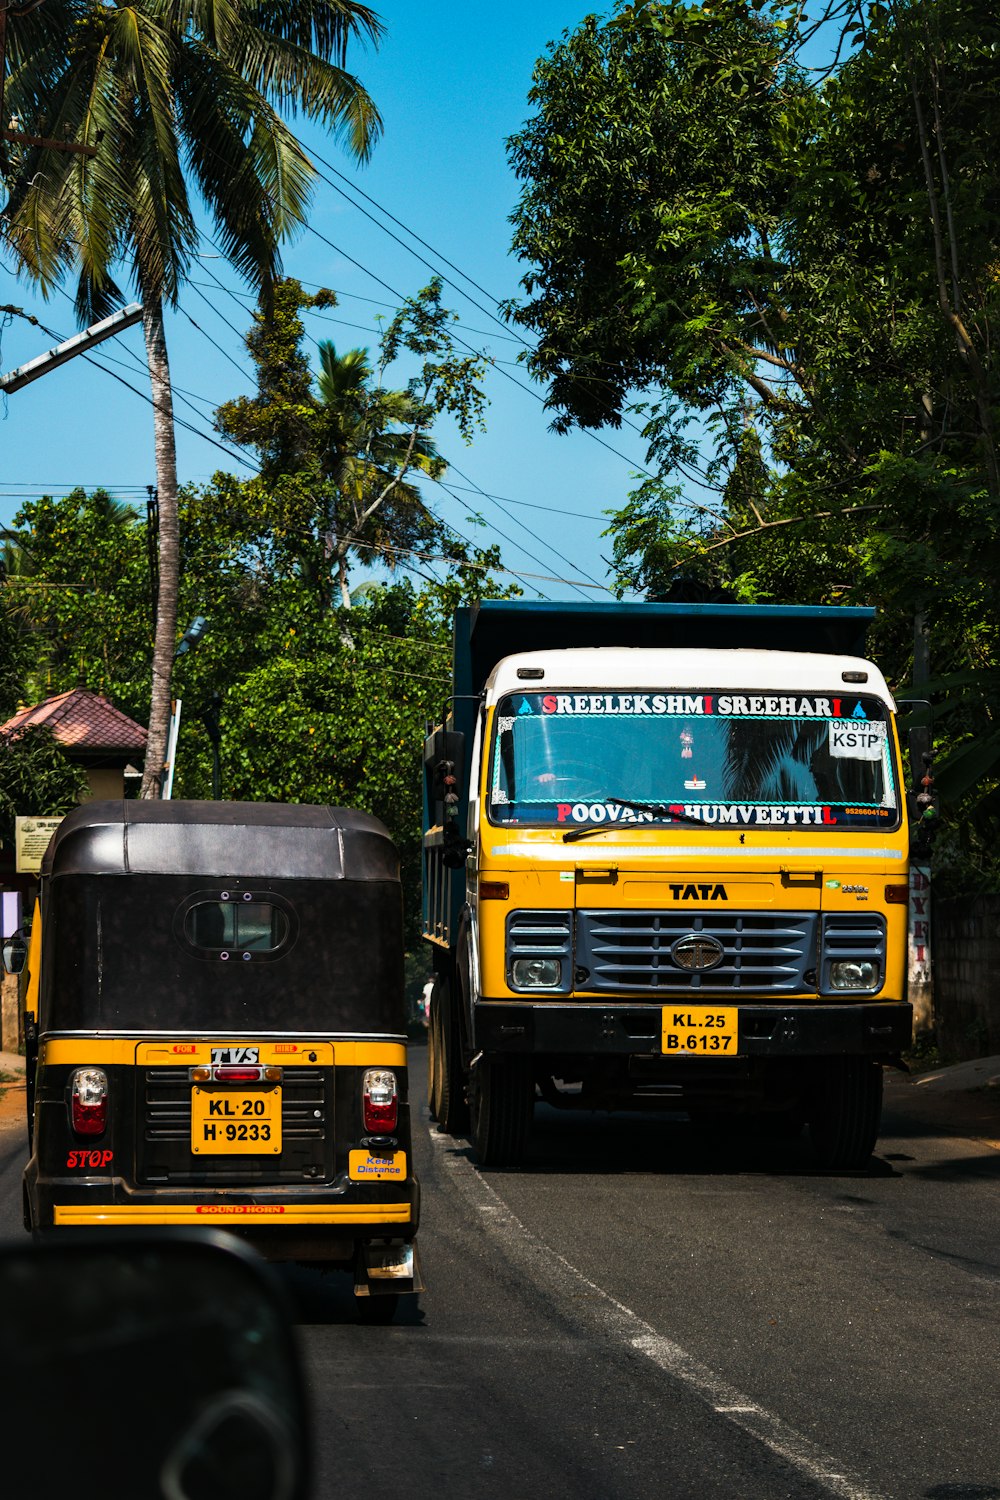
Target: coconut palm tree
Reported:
[(374, 438), (180, 99)]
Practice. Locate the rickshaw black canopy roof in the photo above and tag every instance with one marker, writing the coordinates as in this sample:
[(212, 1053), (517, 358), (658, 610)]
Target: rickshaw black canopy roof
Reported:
[(255, 839), (119, 877)]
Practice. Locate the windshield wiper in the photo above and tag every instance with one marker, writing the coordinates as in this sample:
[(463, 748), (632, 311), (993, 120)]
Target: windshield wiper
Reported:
[(659, 809)]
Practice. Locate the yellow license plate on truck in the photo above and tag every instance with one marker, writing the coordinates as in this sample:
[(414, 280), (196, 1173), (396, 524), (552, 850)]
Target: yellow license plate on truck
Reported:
[(702, 1031), (228, 1122)]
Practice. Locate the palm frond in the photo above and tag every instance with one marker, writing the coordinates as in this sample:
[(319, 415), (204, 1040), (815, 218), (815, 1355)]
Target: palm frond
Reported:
[(326, 27), (295, 79)]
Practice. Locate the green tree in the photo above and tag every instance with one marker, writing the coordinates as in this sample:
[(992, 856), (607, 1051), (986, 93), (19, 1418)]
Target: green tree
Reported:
[(374, 437), (36, 779), (794, 286), (339, 455), (16, 656), (170, 96), (86, 594)]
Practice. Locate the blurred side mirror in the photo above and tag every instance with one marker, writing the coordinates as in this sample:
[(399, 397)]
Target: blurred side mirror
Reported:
[(160, 1366), (15, 954)]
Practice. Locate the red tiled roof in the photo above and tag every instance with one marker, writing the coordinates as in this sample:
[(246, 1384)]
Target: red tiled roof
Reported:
[(82, 720)]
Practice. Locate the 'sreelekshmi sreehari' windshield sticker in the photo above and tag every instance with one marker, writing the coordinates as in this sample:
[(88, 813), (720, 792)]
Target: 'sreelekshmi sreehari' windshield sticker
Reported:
[(724, 758)]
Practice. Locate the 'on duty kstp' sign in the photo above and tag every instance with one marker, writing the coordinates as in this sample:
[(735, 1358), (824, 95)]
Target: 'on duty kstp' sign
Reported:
[(851, 739)]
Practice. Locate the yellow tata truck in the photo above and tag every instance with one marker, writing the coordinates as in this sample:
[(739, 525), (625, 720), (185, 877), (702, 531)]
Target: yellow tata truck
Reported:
[(665, 867)]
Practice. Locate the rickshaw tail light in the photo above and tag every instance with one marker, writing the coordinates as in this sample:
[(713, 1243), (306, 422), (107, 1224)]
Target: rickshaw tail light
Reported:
[(381, 1100), (89, 1101)]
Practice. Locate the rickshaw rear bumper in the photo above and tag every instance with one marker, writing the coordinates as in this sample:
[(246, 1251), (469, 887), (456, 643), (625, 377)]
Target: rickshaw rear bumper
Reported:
[(284, 1224)]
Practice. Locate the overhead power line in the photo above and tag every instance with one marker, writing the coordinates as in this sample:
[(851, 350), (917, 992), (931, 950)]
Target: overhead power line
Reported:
[(698, 477), (476, 488), (53, 333), (476, 567)]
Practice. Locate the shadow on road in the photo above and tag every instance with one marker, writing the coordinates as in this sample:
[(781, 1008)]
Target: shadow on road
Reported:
[(598, 1144), (327, 1297), (962, 1492)]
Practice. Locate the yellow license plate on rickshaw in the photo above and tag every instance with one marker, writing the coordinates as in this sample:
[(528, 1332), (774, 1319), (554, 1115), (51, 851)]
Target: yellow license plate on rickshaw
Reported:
[(228, 1122), (700, 1031)]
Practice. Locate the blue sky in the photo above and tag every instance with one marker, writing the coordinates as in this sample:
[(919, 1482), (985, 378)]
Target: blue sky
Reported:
[(451, 82)]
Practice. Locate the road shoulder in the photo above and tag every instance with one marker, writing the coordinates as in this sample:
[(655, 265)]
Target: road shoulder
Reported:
[(962, 1100)]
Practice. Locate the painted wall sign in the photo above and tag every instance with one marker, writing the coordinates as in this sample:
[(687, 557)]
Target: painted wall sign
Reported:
[(31, 839)]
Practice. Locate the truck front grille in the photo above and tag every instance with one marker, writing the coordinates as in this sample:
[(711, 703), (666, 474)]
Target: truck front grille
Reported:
[(763, 952)]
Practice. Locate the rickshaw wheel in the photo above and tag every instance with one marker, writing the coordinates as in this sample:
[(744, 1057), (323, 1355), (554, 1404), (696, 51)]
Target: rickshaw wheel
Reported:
[(502, 1104), (377, 1311)]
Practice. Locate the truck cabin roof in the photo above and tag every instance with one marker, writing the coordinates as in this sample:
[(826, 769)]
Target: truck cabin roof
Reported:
[(688, 671)]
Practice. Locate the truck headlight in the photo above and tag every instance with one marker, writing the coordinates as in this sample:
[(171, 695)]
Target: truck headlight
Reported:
[(852, 952), (536, 973), (538, 950), (853, 974)]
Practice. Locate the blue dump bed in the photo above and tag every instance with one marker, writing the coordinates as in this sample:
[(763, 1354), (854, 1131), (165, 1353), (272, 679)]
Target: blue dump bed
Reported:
[(487, 632)]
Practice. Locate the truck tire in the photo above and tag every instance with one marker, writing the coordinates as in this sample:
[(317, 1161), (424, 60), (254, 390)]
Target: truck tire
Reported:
[(502, 1103), (845, 1116), (452, 1110), (434, 1051)]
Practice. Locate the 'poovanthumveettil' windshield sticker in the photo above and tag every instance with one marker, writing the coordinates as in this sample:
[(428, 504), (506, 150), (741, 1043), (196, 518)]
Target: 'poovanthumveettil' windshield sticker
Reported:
[(743, 815)]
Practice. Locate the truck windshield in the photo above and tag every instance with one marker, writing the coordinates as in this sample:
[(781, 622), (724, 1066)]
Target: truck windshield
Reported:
[(789, 759)]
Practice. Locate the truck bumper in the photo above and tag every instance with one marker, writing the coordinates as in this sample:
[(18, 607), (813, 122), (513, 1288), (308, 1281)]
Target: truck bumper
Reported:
[(877, 1029)]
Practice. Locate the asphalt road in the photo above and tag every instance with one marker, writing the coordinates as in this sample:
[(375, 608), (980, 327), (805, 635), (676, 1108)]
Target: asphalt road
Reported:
[(641, 1313)]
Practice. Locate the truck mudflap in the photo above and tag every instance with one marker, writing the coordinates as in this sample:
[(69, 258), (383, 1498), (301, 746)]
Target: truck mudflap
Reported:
[(878, 1029)]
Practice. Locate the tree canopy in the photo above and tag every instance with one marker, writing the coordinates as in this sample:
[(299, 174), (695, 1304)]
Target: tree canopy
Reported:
[(316, 698), (788, 280), (159, 100)]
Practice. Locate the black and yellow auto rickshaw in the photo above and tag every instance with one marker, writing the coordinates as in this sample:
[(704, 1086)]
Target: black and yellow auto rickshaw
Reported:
[(215, 1021)]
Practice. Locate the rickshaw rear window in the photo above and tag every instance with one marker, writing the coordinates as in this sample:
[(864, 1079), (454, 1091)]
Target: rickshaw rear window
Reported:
[(246, 926)]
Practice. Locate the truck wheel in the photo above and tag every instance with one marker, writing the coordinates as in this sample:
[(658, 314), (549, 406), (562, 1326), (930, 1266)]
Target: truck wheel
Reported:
[(844, 1119), (452, 1110), (781, 1124), (502, 1104), (434, 1052)]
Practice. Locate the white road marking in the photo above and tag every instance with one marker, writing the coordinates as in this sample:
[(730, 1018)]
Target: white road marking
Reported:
[(621, 1323)]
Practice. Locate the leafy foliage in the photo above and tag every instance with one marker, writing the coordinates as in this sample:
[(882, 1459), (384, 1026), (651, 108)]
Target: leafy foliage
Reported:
[(36, 779), (16, 657), (793, 283), (339, 458), (180, 104), (85, 589), (161, 99), (316, 702)]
